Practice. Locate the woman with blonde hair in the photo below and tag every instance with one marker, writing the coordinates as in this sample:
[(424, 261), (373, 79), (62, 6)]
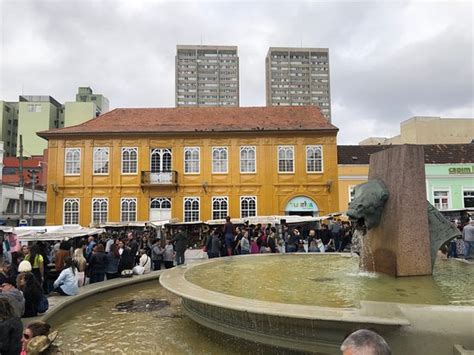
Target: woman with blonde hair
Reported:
[(81, 264)]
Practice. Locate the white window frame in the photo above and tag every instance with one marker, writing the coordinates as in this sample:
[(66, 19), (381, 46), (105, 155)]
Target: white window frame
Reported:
[(442, 189), (95, 161), (128, 149), (220, 200), (248, 198), (73, 163), (128, 200), (286, 147), (192, 150), (191, 199), (78, 212), (161, 200), (248, 148), (466, 189), (100, 200), (221, 149), (314, 147)]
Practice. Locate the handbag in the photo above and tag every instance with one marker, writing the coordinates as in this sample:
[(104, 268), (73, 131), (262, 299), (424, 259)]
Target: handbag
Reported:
[(126, 273), (43, 304)]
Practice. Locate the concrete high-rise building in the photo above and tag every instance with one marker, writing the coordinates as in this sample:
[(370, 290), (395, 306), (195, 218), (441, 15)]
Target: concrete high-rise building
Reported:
[(298, 77), (35, 114), (9, 126), (85, 94), (429, 130), (87, 105), (207, 76)]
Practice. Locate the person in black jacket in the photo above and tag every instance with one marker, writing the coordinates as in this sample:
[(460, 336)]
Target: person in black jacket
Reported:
[(32, 292), (11, 329), (97, 264), (126, 261)]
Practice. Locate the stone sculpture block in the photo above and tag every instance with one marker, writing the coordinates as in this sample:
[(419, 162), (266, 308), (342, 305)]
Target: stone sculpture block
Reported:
[(400, 245)]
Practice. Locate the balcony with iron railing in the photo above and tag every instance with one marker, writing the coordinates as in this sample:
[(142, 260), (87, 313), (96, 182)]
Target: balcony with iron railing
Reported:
[(159, 178)]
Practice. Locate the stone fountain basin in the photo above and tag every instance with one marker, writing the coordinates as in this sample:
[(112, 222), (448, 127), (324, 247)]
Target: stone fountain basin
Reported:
[(409, 328)]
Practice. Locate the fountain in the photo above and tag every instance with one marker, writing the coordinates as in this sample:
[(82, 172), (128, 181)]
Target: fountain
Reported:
[(310, 302)]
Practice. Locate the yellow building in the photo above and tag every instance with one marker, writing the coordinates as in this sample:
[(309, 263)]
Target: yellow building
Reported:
[(192, 164), (353, 169)]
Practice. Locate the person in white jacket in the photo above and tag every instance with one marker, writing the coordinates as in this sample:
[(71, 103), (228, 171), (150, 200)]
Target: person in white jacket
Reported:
[(145, 261)]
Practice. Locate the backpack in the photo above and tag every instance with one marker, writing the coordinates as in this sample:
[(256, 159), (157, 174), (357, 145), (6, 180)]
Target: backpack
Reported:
[(43, 304)]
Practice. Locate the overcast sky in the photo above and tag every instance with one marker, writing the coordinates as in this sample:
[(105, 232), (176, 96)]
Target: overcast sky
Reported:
[(389, 60)]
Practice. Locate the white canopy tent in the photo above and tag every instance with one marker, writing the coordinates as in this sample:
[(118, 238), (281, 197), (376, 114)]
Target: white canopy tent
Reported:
[(52, 233)]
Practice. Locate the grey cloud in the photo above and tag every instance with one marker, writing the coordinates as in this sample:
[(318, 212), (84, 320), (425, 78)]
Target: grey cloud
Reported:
[(389, 60)]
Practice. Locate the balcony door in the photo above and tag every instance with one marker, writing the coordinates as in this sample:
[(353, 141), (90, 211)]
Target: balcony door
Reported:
[(160, 166), (160, 208)]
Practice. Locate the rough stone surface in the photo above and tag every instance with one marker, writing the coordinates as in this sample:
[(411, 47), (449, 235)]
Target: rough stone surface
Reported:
[(400, 245), (441, 230)]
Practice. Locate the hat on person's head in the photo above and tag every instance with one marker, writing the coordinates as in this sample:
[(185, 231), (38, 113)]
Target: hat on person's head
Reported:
[(24, 266), (40, 343)]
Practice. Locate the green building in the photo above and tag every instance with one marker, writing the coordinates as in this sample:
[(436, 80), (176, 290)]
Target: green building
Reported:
[(9, 126), (85, 94), (37, 113), (41, 113), (450, 186)]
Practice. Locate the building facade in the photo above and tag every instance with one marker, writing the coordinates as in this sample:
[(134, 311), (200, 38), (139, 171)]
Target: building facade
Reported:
[(85, 94), (449, 171), (39, 113), (429, 130), (298, 77), (11, 173), (206, 76), (192, 165), (88, 105), (9, 126)]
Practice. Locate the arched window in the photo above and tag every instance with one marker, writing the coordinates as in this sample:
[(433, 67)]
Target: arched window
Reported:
[(191, 209), (129, 160), (286, 159), (248, 160), (101, 161), (248, 206), (128, 209), (314, 159), (100, 207), (191, 160), (71, 211), (220, 207), (219, 160), (72, 164)]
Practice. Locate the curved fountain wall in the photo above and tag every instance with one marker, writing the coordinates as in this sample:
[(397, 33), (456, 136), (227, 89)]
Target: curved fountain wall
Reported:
[(409, 328)]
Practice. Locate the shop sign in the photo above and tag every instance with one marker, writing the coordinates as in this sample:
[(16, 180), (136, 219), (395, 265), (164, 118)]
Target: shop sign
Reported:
[(461, 170), (301, 204)]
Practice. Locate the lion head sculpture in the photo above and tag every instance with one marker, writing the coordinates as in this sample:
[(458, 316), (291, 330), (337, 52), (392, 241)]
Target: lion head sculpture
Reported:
[(368, 203)]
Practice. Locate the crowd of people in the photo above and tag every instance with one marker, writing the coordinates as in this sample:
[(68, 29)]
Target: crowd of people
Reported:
[(336, 236), (31, 272)]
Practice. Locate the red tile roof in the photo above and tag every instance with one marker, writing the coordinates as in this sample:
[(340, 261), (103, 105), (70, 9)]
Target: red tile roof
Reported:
[(434, 153), (199, 119)]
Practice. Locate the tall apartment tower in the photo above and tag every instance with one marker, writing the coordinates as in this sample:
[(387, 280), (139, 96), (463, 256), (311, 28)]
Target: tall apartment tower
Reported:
[(297, 77), (9, 127), (207, 76)]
